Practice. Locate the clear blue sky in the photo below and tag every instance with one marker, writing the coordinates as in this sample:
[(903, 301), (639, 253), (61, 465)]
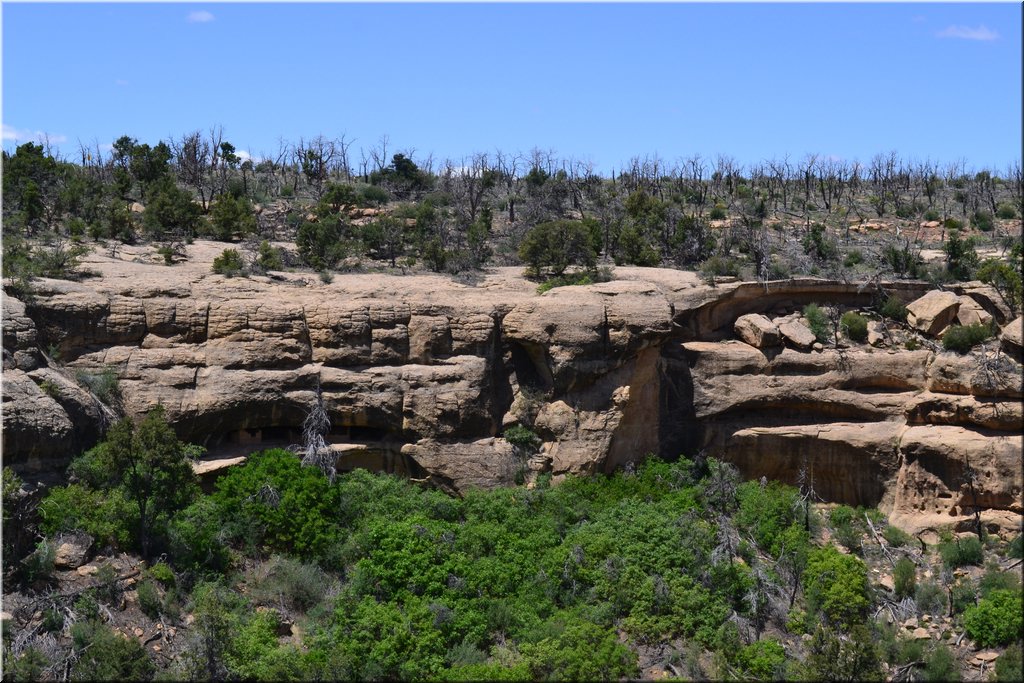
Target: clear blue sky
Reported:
[(598, 82)]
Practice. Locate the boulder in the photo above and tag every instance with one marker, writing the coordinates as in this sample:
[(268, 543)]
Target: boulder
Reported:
[(72, 550), (933, 312), (797, 334), (757, 330), (971, 312), (1012, 338), (876, 336)]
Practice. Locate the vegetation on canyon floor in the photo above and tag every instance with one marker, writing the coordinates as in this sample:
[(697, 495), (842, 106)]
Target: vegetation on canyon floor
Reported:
[(676, 568)]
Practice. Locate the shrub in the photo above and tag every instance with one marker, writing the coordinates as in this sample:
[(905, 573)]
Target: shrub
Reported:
[(763, 660), (1016, 548), (853, 258), (1006, 211), (855, 326), (930, 598), (291, 583), (321, 244), (554, 246), (230, 216), (720, 266), (149, 599), (1010, 665), (962, 338), (963, 595), (103, 655), (229, 263), (717, 213), (374, 195), (104, 383), (940, 665), (1006, 280), (903, 260), (982, 220), (996, 620), (817, 321), (163, 573), (894, 309), (837, 585), (952, 224), (269, 258), (522, 438), (931, 215), (958, 552), (961, 257), (895, 536), (995, 579), (904, 577)]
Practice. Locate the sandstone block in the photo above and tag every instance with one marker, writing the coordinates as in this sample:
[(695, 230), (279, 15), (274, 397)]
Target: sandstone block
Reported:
[(971, 312), (757, 330), (1012, 338), (933, 312), (797, 334)]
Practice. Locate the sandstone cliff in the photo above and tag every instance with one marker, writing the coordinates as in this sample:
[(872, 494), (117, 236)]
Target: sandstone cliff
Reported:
[(422, 374)]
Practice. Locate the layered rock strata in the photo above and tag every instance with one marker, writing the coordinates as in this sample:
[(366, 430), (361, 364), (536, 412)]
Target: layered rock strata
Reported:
[(423, 374)]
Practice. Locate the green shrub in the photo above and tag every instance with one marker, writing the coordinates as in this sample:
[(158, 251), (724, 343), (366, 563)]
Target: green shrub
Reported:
[(895, 536), (855, 326), (231, 216), (269, 258), (931, 215), (837, 585), (163, 573), (996, 579), (103, 383), (149, 598), (952, 224), (982, 220), (289, 582), (962, 338), (1016, 548), (904, 577), (996, 620), (522, 438), (322, 244), (1010, 665), (229, 263), (930, 597), (853, 258), (818, 322), (374, 195), (940, 665), (957, 552), (717, 213), (720, 266), (39, 565), (894, 309), (103, 655), (963, 595), (1006, 211), (549, 248), (763, 660)]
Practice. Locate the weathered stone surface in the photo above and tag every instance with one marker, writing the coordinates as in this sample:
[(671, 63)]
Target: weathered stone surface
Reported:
[(1012, 338), (72, 550), (971, 312), (933, 312), (421, 374), (757, 330), (797, 334)]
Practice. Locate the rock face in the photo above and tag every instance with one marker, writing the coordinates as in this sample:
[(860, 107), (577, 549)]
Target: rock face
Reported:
[(421, 375)]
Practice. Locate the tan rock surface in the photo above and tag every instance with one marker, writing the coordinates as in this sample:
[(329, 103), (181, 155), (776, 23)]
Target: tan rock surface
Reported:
[(757, 330), (933, 312)]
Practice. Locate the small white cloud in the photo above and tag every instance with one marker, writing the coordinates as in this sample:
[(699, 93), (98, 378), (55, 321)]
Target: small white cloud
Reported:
[(199, 17), (968, 33), (245, 156), (12, 134), (121, 82)]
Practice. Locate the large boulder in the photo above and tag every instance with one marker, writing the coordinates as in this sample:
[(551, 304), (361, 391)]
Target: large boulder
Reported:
[(1012, 338), (757, 330), (933, 312), (72, 550), (972, 313), (797, 334)]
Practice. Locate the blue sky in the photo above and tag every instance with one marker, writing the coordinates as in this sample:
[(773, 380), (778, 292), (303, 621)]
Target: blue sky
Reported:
[(599, 82)]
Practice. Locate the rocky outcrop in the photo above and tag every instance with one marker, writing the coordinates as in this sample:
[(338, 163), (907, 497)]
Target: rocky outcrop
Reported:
[(421, 375)]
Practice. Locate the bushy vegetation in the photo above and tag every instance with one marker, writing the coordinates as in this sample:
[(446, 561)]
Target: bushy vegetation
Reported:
[(963, 338), (855, 326)]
